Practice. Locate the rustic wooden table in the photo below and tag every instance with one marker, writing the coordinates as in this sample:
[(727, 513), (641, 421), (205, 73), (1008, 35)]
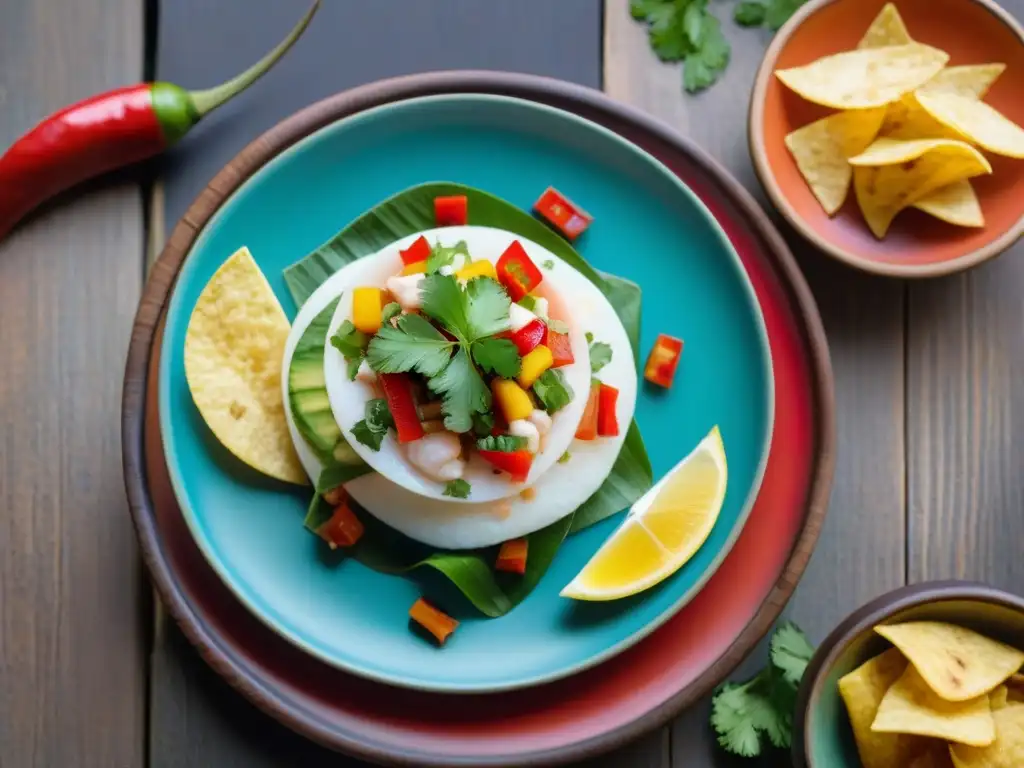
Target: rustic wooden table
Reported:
[(927, 483)]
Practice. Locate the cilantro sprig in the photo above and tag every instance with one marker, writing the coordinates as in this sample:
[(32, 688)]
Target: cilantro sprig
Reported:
[(371, 429), (457, 489), (749, 714), (352, 343)]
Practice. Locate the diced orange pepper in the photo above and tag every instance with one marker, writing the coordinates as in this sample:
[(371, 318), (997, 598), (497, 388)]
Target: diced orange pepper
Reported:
[(344, 529), (512, 556), (663, 360), (367, 304), (416, 268), (436, 622), (478, 268), (561, 348), (587, 430), (535, 362)]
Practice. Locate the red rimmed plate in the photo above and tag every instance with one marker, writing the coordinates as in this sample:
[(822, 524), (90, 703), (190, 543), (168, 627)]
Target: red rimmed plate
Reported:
[(587, 713)]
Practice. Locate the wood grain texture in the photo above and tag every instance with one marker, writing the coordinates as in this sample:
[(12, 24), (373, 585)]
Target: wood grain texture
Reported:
[(861, 550), (72, 656)]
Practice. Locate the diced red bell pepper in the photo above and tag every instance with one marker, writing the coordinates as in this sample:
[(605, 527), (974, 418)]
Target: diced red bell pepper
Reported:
[(561, 348), (438, 623), (587, 430), (451, 211), (516, 463), (512, 556), (663, 360), (417, 252), (530, 336), (398, 391), (563, 214), (344, 529), (607, 422), (517, 272)]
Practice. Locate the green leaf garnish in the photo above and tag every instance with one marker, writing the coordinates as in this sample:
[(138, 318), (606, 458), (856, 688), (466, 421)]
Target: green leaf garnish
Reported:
[(378, 417), (502, 443), (703, 66), (548, 263), (552, 390), (483, 424), (500, 356), (528, 302), (445, 301), (414, 345), (458, 489), (780, 11), (368, 436), (600, 356), (589, 337), (352, 344), (790, 652), (446, 256), (463, 392), (564, 458), (750, 14), (488, 308), (390, 311)]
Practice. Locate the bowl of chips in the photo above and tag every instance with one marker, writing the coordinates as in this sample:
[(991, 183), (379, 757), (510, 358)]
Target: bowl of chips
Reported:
[(926, 676), (889, 133)]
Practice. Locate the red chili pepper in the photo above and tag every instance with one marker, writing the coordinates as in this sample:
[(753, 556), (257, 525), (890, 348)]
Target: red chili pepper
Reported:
[(452, 211), (607, 422), (417, 252), (344, 529), (398, 391), (516, 272), (529, 336), (561, 348), (587, 430), (111, 130), (516, 463), (663, 360), (563, 214), (512, 556)]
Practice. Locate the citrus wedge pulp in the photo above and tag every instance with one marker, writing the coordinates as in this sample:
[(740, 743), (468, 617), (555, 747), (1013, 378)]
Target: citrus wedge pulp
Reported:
[(662, 531)]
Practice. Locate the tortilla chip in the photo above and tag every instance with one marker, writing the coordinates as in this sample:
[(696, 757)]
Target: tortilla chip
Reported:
[(1007, 751), (862, 690), (823, 148), (998, 698), (936, 756), (957, 204), (907, 119), (972, 81), (957, 663), (887, 29), (910, 706), (860, 79), (234, 349), (975, 121), (891, 175)]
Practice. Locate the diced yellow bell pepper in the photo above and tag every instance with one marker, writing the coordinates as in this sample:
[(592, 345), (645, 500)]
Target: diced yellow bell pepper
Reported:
[(416, 268), (366, 309), (481, 268), (535, 362), (512, 399)]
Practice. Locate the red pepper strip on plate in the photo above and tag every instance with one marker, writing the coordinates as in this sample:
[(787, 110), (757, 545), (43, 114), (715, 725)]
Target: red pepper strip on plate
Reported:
[(436, 622), (607, 422), (417, 252), (516, 272), (563, 214), (529, 336), (344, 529), (663, 360), (516, 463), (111, 130), (398, 391), (452, 211), (512, 557), (561, 348), (587, 430)]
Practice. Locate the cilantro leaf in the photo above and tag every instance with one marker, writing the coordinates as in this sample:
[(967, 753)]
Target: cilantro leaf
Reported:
[(458, 489), (500, 356), (564, 458), (731, 717), (445, 301), (528, 302), (378, 417), (590, 337), (390, 310), (600, 356), (790, 652), (352, 343), (693, 23), (750, 14), (503, 443), (552, 390), (368, 436), (704, 66), (488, 307), (548, 263), (780, 11), (668, 39), (483, 423), (463, 391), (447, 256), (640, 9), (352, 367), (414, 345)]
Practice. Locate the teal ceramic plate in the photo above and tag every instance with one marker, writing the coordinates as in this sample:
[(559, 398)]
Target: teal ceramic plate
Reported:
[(648, 227)]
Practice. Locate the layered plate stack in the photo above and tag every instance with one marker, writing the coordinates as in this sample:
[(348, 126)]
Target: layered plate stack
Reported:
[(320, 642)]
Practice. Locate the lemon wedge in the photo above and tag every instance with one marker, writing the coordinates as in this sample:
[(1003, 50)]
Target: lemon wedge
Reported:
[(663, 530)]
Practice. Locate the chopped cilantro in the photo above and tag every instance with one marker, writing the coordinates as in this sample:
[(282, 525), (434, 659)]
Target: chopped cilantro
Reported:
[(483, 423), (564, 458), (463, 391), (352, 343), (790, 652), (446, 255), (369, 437), (371, 429), (458, 489), (500, 356), (528, 302), (503, 443), (414, 345), (552, 390), (590, 337), (600, 356), (548, 263), (390, 311)]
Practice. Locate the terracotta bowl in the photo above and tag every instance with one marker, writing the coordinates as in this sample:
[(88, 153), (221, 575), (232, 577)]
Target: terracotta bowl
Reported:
[(917, 245), (822, 737)]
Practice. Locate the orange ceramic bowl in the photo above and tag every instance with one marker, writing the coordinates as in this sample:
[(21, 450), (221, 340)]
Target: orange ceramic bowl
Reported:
[(917, 245)]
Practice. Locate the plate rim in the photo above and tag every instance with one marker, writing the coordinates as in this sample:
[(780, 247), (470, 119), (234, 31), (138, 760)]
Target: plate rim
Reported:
[(176, 309), (537, 88)]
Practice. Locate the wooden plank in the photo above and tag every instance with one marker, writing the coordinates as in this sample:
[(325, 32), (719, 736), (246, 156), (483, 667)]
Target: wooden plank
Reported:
[(72, 655), (861, 550)]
